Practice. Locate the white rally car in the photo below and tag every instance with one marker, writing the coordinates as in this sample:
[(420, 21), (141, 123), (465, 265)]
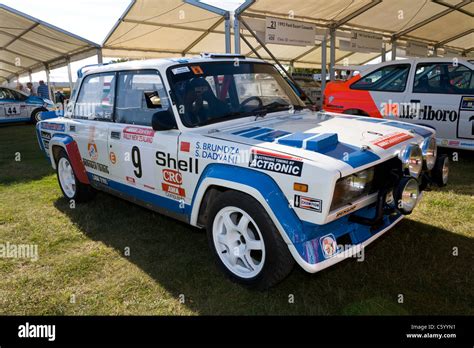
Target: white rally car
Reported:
[(433, 92), (223, 143)]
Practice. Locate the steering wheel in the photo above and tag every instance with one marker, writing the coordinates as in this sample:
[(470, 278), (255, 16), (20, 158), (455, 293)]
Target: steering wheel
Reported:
[(249, 99)]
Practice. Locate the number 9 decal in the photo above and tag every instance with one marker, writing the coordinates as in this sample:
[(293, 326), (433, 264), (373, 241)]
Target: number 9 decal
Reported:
[(137, 163)]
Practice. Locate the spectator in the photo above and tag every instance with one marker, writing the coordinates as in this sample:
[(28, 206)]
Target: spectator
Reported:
[(29, 89), (43, 90), (59, 96), (20, 87)]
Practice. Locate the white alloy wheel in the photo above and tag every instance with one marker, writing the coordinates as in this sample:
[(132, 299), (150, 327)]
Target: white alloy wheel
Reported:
[(238, 242), (66, 177)]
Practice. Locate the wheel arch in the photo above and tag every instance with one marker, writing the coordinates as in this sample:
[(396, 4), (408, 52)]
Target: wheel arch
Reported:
[(65, 142), (218, 178)]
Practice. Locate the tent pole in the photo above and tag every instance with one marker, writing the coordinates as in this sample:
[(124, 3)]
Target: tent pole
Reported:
[(48, 81), (228, 48), (394, 50), (332, 54), (100, 58), (324, 45), (384, 52), (236, 34), (69, 75)]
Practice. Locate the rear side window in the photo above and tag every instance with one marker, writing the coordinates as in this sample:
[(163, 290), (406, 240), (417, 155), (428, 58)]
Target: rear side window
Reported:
[(5, 94), (443, 78), (140, 95), (392, 78), (96, 98)]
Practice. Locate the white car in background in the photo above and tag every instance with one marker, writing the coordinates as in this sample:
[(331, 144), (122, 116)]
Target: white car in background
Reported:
[(433, 92)]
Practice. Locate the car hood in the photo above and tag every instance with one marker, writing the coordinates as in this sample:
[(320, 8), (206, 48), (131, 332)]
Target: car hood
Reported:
[(340, 142)]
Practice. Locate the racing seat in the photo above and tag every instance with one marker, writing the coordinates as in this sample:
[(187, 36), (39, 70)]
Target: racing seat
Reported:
[(423, 85), (200, 102)]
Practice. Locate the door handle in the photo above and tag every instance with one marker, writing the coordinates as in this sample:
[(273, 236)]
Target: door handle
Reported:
[(415, 101), (115, 135)]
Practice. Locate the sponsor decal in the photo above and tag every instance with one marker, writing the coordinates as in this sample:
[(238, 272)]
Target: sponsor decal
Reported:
[(53, 126), (143, 135), (392, 139), (185, 146), (191, 165), (216, 152), (180, 70), (113, 157), (197, 70), (444, 142), (454, 142), (130, 180), (277, 163), (308, 203), (96, 166), (172, 190), (346, 211), (328, 245), (92, 150), (100, 179), (172, 177)]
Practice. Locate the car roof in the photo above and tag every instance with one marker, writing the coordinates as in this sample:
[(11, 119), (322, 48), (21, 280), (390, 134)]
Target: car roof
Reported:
[(372, 67), (165, 63), (15, 90)]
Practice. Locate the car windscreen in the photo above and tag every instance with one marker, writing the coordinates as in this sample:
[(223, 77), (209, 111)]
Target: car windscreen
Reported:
[(213, 92)]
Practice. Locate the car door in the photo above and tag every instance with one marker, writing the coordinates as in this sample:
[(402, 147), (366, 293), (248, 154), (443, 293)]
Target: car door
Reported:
[(93, 111), (381, 92), (9, 108), (139, 156), (445, 92), (22, 110)]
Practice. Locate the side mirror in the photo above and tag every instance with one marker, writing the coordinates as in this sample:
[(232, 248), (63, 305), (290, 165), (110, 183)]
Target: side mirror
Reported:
[(163, 120)]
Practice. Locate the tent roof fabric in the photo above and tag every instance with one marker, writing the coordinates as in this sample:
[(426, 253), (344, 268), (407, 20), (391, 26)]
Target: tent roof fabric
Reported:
[(27, 43), (151, 29)]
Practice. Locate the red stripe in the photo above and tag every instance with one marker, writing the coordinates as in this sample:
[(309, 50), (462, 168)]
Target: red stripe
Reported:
[(76, 162)]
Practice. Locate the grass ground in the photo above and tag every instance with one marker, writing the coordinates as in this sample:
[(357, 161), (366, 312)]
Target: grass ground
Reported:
[(83, 268)]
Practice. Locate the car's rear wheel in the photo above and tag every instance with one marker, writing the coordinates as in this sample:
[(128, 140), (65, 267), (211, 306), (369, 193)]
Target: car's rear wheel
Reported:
[(245, 241), (72, 188)]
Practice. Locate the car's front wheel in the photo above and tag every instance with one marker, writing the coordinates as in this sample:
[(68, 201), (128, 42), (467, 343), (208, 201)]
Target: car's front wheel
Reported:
[(72, 188), (36, 116), (245, 241)]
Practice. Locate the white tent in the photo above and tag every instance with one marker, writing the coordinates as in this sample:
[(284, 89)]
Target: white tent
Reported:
[(177, 27), (29, 45)]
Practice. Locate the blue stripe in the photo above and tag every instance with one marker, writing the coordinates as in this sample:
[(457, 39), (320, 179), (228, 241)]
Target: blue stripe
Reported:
[(270, 137), (353, 156), (408, 126), (145, 196), (296, 139), (246, 130), (256, 132)]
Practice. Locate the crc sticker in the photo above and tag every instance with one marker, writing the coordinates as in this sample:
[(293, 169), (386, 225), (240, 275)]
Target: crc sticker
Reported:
[(392, 139), (92, 151), (143, 135), (172, 177), (180, 70), (328, 245), (308, 203), (197, 70), (277, 163)]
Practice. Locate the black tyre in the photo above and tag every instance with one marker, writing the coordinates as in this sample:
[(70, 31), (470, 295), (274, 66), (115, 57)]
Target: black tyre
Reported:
[(72, 188), (245, 241), (440, 172), (36, 116)]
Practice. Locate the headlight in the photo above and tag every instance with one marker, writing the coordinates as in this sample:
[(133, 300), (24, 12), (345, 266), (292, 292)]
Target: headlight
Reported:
[(406, 195), (412, 160), (352, 187), (429, 149)]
